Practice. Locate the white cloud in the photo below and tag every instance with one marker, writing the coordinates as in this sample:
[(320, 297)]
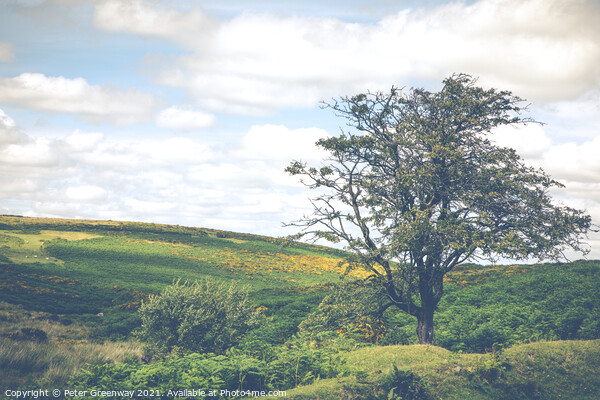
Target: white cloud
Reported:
[(127, 156), (23, 161), (530, 141), (575, 165), (543, 50), (253, 63), (34, 154), (279, 143), (184, 118), (6, 122), (146, 208), (86, 194), (574, 120), (139, 17), (83, 141), (110, 156), (162, 180), (574, 162), (172, 151), (6, 52), (11, 187), (75, 96)]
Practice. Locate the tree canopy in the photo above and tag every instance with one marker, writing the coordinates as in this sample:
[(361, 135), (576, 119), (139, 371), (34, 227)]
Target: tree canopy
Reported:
[(417, 186)]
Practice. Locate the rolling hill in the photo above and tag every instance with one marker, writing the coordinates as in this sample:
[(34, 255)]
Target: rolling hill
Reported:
[(69, 291), (47, 263)]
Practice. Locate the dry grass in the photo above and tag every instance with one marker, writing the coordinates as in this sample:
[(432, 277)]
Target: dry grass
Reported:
[(54, 361)]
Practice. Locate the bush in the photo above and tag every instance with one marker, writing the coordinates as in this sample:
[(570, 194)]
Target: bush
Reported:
[(404, 385), (209, 372), (235, 370), (29, 334), (302, 362), (353, 310), (198, 317)]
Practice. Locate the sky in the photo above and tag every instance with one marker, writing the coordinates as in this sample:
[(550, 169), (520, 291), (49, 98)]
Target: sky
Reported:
[(187, 112)]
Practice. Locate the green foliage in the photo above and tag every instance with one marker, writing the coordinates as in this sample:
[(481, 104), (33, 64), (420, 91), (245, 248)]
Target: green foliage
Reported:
[(404, 385), (104, 265), (401, 329), (354, 308), (485, 309), (199, 371), (536, 371), (117, 325), (511, 305), (301, 362), (550, 370), (113, 261), (285, 310), (99, 261), (200, 317), (290, 366), (147, 263), (417, 187), (47, 287), (552, 301), (262, 341)]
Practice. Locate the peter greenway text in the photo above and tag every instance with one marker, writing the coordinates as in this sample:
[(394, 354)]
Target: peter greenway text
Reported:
[(169, 394)]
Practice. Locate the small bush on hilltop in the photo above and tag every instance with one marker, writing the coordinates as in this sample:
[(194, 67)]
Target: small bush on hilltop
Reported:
[(197, 317)]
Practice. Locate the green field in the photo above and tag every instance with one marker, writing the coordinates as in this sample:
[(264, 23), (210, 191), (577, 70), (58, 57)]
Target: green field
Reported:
[(70, 291), (44, 263)]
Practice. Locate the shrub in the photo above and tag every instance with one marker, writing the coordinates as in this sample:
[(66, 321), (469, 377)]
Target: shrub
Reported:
[(197, 317), (262, 342), (301, 362), (291, 365), (208, 372), (349, 311), (29, 334), (404, 385), (590, 329)]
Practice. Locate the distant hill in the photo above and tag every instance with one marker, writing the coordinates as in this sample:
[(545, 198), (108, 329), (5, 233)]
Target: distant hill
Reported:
[(83, 266)]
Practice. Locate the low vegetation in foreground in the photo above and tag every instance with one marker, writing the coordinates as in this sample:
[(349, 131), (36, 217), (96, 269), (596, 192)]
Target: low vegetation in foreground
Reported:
[(71, 316), (541, 370)]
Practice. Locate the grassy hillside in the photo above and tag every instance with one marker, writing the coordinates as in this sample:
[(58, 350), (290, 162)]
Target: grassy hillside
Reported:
[(70, 289), (543, 370), (80, 282), (45, 264)]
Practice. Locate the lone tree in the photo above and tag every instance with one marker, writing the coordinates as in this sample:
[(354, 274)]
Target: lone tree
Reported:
[(417, 187)]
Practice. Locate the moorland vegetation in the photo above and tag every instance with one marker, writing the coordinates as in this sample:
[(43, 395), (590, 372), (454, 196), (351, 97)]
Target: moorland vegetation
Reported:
[(77, 299)]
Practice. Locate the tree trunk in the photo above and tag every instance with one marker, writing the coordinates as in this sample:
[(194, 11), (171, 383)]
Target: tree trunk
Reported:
[(425, 324)]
